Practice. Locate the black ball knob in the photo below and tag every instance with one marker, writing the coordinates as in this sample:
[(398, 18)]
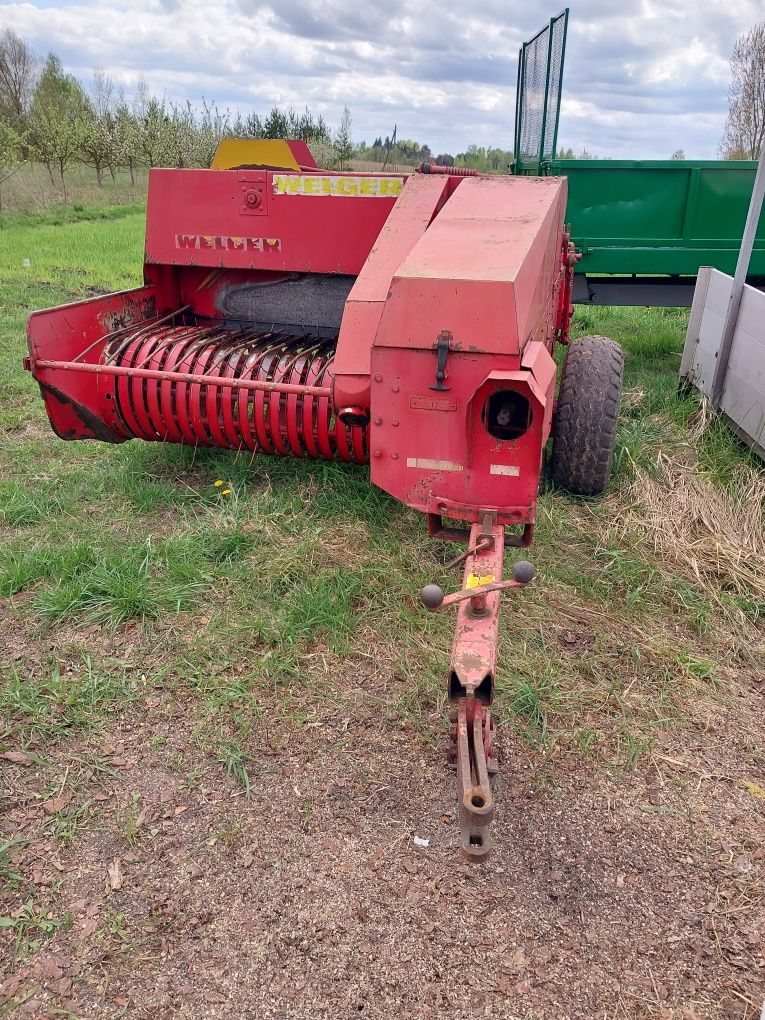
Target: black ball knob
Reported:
[(523, 572), (432, 596)]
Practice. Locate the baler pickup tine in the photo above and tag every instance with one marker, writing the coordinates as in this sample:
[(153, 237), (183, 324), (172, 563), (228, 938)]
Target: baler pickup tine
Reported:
[(145, 328), (208, 384)]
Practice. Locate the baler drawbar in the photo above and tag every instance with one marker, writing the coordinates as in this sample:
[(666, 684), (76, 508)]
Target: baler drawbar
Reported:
[(404, 322)]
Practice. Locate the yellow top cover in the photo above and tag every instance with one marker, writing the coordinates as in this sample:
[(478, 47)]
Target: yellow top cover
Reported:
[(232, 153)]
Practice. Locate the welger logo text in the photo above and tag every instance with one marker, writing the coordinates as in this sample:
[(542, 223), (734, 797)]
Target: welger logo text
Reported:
[(348, 187), (222, 243)]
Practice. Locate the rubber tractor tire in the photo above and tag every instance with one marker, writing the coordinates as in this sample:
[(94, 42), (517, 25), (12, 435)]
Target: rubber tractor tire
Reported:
[(584, 426)]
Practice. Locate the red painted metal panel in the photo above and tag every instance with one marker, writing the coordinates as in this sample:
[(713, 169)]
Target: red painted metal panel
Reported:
[(484, 270), (81, 406), (246, 219), (408, 221), (432, 450)]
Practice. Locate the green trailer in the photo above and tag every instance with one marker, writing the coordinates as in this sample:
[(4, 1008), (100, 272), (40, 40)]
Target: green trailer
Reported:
[(644, 227)]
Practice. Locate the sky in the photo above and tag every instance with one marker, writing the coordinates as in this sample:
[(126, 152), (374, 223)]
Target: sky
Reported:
[(641, 78)]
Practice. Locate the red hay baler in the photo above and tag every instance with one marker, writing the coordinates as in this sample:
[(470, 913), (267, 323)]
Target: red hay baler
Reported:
[(407, 322)]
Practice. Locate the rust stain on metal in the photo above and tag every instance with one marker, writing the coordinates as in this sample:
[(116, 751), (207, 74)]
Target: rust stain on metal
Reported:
[(132, 311), (96, 425)]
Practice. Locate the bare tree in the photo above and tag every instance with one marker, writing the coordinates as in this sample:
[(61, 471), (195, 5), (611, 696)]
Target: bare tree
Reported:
[(745, 127), (212, 125), (10, 155), (153, 127), (127, 138), (99, 128), (181, 135), (18, 73)]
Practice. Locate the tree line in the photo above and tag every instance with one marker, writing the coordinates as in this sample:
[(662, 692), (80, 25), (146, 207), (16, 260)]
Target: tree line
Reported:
[(48, 116)]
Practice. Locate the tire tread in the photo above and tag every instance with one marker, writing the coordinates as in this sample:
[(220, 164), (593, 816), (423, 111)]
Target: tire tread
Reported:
[(584, 428)]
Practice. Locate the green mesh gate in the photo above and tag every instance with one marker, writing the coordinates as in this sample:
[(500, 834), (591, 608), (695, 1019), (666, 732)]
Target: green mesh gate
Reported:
[(537, 105)]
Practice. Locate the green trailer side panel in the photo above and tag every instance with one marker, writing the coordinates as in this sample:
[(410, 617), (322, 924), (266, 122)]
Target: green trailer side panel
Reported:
[(660, 217)]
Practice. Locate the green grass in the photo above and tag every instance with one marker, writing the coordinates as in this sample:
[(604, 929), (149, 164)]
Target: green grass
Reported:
[(30, 192), (116, 589), (30, 926), (53, 703), (74, 254), (21, 503), (269, 601)]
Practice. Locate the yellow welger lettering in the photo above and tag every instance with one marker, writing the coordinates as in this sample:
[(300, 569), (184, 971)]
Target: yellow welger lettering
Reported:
[(237, 242), (347, 186), (287, 184)]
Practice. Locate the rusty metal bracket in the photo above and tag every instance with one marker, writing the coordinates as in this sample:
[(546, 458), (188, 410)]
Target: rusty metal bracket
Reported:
[(476, 803), (445, 533)]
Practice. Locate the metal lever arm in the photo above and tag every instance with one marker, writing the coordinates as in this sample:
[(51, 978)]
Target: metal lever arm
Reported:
[(433, 597)]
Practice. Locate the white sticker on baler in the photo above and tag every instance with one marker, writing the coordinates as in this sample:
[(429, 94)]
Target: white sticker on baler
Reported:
[(504, 469), (433, 465)]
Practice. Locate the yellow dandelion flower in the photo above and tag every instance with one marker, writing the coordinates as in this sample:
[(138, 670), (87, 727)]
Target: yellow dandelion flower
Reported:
[(226, 492), (219, 483)]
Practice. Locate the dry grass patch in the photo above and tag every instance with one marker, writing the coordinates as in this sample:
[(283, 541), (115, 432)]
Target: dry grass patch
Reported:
[(713, 535)]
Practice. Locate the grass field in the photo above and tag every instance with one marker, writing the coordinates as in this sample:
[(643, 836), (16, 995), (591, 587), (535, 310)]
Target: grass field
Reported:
[(30, 190), (203, 696)]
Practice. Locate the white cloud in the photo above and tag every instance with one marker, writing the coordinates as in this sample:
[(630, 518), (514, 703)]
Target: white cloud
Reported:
[(640, 81)]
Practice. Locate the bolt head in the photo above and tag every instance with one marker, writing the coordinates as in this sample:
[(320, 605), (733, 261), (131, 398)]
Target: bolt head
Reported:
[(523, 572), (431, 596)]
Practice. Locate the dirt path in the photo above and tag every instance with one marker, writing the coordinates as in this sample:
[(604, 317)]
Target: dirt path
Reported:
[(606, 897)]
